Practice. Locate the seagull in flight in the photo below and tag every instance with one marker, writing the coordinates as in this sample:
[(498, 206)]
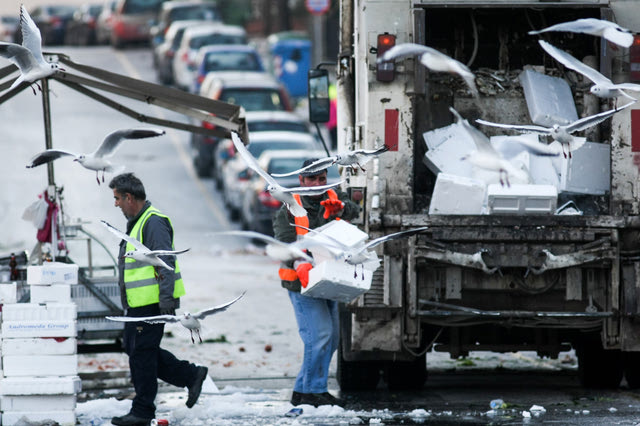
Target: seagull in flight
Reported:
[(562, 133), (188, 320), (141, 252), (276, 249), (97, 160), (278, 191), (360, 253), (357, 158), (603, 87), (432, 59), (28, 56), (597, 27)]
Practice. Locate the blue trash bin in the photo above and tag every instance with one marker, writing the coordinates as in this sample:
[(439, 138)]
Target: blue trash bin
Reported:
[(291, 60)]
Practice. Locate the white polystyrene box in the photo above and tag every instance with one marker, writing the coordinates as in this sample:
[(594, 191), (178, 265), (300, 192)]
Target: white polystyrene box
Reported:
[(522, 199), (39, 328), (52, 273), (450, 144), (40, 346), (34, 311), (8, 293), (40, 365), (57, 385), (457, 195), (339, 230), (587, 171), (549, 99), (62, 418), (38, 402), (56, 293), (337, 280)]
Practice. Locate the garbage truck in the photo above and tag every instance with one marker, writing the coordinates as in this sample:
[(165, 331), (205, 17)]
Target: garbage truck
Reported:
[(548, 264)]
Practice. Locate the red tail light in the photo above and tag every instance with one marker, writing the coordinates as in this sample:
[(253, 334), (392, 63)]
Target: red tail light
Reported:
[(200, 79), (267, 200)]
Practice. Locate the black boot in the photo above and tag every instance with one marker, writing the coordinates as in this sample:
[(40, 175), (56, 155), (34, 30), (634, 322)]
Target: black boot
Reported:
[(196, 387), (130, 420)]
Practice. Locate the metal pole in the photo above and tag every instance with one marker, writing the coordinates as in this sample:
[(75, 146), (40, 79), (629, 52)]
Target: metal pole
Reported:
[(46, 110)]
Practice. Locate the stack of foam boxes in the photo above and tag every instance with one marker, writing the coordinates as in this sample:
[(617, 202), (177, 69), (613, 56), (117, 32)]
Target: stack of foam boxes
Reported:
[(39, 350)]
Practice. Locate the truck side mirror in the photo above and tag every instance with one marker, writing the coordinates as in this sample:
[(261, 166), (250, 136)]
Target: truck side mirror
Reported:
[(319, 103)]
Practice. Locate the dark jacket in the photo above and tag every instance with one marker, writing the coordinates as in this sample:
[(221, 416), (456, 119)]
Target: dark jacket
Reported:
[(157, 234), (283, 231)]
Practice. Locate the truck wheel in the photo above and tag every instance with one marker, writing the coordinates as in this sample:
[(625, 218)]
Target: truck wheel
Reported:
[(599, 368), (631, 361), (357, 375), (406, 375)]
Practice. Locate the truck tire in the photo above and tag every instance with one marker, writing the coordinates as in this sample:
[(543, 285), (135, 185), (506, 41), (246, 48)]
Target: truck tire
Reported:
[(631, 361), (357, 375), (406, 375), (599, 368)]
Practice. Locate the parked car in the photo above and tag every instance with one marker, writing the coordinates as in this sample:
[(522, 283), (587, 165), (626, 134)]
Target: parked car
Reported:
[(8, 27), (225, 57), (258, 205), (131, 21), (254, 91), (164, 53), (236, 174), (189, 10), (194, 38), (104, 23), (81, 30), (52, 22)]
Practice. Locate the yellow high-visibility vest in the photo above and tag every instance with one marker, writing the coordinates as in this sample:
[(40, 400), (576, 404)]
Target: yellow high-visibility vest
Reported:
[(141, 284)]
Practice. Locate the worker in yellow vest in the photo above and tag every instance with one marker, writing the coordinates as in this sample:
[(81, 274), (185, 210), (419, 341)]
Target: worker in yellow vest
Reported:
[(148, 291), (317, 318)]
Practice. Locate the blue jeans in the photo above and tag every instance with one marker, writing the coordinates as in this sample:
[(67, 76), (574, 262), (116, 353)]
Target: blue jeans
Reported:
[(318, 327)]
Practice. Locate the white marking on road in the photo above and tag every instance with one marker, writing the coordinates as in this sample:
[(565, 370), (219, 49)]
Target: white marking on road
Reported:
[(182, 154)]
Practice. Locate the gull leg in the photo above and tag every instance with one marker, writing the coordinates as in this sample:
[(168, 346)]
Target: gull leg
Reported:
[(191, 332), (97, 178), (102, 175), (362, 270), (198, 333), (355, 271)]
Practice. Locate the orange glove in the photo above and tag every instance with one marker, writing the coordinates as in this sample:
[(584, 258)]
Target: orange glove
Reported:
[(331, 207), (303, 273)]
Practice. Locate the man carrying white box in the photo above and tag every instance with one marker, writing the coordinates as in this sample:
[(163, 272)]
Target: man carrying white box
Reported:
[(317, 318)]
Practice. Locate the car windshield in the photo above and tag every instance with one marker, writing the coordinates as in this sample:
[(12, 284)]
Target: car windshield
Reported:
[(216, 38), (9, 20), (254, 99), (61, 10), (200, 12), (231, 61), (141, 6), (177, 39), (256, 148), (286, 165), (266, 126)]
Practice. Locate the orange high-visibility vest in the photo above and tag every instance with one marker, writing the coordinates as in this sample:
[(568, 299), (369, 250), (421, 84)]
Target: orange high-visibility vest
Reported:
[(288, 274)]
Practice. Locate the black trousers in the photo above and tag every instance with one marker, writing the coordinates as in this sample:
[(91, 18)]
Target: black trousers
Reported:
[(148, 362)]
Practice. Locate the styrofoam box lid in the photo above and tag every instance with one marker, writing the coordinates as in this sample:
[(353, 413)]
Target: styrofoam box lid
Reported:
[(61, 385), (549, 99), (34, 311), (52, 273), (457, 195), (343, 231), (446, 156), (588, 171)]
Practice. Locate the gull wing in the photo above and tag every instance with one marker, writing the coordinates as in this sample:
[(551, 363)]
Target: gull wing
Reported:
[(596, 27), (19, 55), (214, 310), (618, 35), (113, 139), (31, 37), (316, 166), (394, 236), (570, 62), (525, 128), (438, 61), (404, 50), (137, 244), (482, 142), (592, 120), (48, 156), (293, 247), (167, 252), (250, 160), (157, 319), (375, 151), (311, 190), (329, 239), (628, 86), (535, 148)]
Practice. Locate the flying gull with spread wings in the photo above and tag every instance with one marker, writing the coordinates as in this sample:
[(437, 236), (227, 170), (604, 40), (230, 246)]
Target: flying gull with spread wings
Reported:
[(597, 27), (188, 320), (99, 159), (141, 252)]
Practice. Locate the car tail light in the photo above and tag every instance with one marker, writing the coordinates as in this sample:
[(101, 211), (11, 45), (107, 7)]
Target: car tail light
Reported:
[(56, 22), (267, 200), (200, 78), (185, 57)]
